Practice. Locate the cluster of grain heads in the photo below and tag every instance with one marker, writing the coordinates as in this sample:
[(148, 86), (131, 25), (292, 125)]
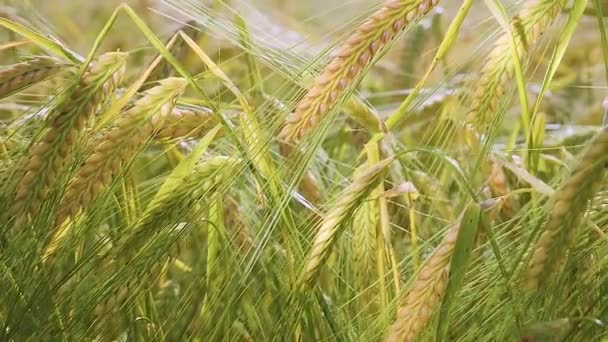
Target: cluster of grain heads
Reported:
[(338, 217), (350, 62), (136, 250), (569, 206), (497, 73), (426, 292), (115, 148), (47, 158), (185, 122), (17, 77)]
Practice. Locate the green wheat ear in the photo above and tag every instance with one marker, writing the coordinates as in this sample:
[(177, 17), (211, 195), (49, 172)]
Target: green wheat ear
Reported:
[(569, 206), (335, 220)]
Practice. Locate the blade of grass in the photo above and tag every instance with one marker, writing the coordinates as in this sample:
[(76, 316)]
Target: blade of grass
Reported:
[(600, 23), (450, 37), (43, 42), (499, 12), (460, 259)]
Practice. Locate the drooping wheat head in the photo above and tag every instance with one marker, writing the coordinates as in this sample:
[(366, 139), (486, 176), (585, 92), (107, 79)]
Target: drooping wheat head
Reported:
[(17, 77), (351, 60), (48, 157), (185, 122), (569, 206), (338, 216), (426, 292), (499, 187), (112, 150), (498, 70)]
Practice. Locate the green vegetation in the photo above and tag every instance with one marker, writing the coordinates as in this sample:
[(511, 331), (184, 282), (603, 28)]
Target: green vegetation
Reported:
[(215, 170)]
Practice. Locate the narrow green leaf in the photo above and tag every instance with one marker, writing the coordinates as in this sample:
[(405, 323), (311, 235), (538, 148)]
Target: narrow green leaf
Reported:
[(498, 11), (600, 23), (575, 15), (444, 47), (43, 42), (465, 242)]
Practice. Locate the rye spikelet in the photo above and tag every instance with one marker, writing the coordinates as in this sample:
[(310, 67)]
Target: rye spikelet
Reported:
[(569, 206), (498, 70), (426, 292), (17, 77), (338, 217), (351, 60), (48, 157), (114, 148), (186, 122)]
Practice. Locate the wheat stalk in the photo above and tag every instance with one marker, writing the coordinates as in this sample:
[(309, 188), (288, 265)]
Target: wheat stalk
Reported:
[(115, 147), (335, 220), (498, 70), (186, 122), (426, 291), (17, 77), (569, 206), (350, 61), (48, 157)]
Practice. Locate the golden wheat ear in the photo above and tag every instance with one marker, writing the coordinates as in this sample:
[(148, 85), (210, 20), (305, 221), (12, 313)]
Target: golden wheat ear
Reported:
[(351, 60), (114, 147), (186, 122), (17, 77), (48, 157), (499, 68), (569, 206)]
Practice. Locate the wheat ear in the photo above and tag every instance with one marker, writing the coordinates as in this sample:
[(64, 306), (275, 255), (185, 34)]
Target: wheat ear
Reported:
[(48, 157), (364, 241), (569, 206), (499, 187), (17, 77), (498, 70), (115, 147), (186, 122), (426, 291), (208, 175), (351, 60), (336, 219)]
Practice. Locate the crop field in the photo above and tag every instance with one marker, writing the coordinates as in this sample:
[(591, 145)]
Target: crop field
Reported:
[(304, 170)]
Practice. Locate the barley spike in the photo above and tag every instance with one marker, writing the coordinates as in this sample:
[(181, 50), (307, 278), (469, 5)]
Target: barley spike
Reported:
[(351, 60), (335, 220), (569, 206)]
